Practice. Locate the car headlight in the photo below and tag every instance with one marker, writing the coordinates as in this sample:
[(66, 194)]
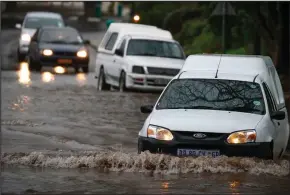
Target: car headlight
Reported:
[(241, 137), (82, 53), (159, 133), (47, 52), (25, 37), (138, 70)]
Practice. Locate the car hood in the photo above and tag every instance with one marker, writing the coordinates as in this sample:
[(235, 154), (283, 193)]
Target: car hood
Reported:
[(61, 47), (204, 120), (156, 61), (28, 31)]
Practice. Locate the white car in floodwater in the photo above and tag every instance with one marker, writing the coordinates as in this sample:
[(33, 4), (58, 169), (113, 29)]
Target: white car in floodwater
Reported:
[(219, 105), (135, 56)]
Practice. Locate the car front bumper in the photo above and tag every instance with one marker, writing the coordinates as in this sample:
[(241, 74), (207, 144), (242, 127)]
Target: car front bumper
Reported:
[(53, 61), (147, 82), (23, 49), (260, 150)]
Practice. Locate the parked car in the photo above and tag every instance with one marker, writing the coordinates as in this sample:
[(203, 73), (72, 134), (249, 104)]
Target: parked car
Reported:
[(58, 46), (219, 105), (31, 22), (135, 56)]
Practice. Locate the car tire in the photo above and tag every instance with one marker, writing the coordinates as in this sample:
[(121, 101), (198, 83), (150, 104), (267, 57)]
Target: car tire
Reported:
[(20, 57), (85, 69), (33, 65), (122, 82), (140, 147), (102, 85), (30, 62)]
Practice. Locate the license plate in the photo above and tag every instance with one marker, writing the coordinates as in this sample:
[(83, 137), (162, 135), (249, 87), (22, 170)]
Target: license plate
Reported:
[(161, 81), (192, 152), (64, 61)]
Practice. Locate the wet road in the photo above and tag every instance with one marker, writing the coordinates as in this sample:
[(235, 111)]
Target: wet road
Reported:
[(61, 135)]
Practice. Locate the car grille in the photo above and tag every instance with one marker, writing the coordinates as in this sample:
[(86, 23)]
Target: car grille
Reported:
[(189, 135), (162, 71), (64, 53)]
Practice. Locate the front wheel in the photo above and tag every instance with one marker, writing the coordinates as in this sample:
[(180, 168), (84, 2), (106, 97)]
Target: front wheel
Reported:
[(122, 82), (102, 85), (85, 69)]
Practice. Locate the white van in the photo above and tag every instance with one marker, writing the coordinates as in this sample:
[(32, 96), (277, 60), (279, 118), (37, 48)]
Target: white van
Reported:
[(135, 56), (32, 21), (219, 105)]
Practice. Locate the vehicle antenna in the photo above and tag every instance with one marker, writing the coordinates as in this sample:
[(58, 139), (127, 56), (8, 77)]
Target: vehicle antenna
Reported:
[(218, 67), (255, 78)]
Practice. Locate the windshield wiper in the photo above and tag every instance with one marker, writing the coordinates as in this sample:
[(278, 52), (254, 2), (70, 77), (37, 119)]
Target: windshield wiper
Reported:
[(74, 42), (195, 107), (56, 41), (175, 57), (147, 54), (243, 109)]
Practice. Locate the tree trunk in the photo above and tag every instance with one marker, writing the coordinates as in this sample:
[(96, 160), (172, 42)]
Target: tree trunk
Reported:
[(283, 65)]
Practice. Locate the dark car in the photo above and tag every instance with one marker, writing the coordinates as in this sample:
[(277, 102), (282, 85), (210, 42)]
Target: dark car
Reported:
[(58, 46)]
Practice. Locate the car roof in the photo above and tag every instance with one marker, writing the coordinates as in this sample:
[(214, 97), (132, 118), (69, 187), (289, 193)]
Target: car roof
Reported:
[(57, 28), (43, 14), (231, 64), (210, 74), (139, 29)]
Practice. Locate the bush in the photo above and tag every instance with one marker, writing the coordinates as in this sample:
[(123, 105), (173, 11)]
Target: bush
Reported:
[(239, 51)]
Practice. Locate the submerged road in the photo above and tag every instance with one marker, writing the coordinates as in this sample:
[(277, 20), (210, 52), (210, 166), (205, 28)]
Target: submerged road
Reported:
[(61, 135)]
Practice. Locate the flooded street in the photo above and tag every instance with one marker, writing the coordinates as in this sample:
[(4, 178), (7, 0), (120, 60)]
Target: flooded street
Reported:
[(61, 135)]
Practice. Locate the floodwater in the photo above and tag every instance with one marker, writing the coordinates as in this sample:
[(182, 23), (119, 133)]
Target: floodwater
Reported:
[(61, 135)]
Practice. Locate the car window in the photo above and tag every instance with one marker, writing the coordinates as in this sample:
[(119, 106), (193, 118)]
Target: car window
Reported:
[(35, 36), (270, 101), (123, 44), (37, 22), (66, 36), (111, 42), (105, 39), (213, 94), (143, 47)]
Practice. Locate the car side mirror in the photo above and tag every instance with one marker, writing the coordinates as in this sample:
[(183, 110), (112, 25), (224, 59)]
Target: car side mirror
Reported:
[(119, 52), (279, 115), (18, 26), (87, 42), (146, 109)]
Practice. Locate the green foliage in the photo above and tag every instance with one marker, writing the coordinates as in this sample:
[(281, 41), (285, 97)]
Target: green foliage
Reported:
[(198, 31), (239, 51)]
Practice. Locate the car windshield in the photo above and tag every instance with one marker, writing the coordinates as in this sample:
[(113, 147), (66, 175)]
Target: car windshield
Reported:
[(37, 22), (65, 36), (141, 47), (213, 94)]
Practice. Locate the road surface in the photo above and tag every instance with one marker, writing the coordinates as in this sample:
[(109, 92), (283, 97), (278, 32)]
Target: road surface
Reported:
[(61, 135)]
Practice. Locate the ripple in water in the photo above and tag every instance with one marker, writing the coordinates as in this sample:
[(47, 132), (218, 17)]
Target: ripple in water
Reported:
[(147, 162)]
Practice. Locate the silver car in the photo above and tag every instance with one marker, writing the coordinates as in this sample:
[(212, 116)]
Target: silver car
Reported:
[(31, 22)]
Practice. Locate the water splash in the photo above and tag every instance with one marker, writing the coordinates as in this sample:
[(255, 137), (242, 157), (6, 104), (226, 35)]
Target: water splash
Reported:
[(147, 162)]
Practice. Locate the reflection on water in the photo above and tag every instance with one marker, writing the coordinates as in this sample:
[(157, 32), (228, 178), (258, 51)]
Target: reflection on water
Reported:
[(59, 70), (81, 78), (47, 77), (20, 103), (24, 74), (234, 185)]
